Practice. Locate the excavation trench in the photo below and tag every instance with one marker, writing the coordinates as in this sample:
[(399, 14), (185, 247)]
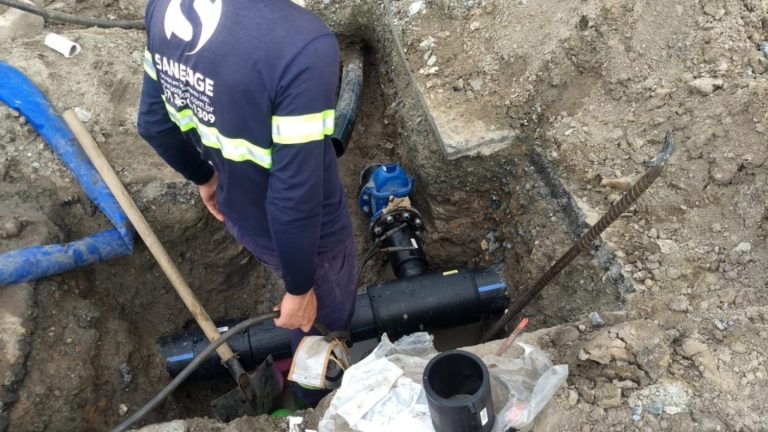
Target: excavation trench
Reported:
[(94, 354)]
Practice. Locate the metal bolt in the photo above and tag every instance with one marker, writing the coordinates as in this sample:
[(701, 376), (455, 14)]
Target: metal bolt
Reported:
[(389, 219), (418, 222), (377, 230), (406, 216), (366, 209)]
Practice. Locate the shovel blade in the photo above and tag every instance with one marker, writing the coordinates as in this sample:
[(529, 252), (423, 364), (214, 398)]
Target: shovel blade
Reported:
[(254, 397)]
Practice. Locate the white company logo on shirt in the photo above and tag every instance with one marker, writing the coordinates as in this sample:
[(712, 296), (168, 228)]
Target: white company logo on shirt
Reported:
[(209, 13)]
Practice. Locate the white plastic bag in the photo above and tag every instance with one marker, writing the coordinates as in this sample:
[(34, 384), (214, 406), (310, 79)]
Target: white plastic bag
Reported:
[(384, 392), (531, 380), (376, 393)]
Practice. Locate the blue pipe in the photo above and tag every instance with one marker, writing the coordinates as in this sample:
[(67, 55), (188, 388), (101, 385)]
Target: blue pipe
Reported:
[(29, 264)]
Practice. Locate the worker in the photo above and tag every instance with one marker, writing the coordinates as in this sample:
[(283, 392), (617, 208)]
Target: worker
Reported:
[(239, 97)]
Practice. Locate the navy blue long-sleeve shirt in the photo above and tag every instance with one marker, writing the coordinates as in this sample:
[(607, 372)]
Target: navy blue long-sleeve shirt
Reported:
[(246, 89)]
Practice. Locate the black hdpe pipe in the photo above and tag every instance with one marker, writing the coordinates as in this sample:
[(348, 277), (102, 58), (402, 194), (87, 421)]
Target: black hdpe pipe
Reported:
[(428, 302), (349, 101), (458, 389)]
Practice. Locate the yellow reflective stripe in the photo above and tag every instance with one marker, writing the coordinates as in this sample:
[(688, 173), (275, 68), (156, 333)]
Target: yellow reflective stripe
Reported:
[(149, 67), (302, 129), (235, 149), (329, 119)]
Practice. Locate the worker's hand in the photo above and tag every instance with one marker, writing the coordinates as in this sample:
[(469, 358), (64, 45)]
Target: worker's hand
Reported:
[(208, 194), (297, 311)]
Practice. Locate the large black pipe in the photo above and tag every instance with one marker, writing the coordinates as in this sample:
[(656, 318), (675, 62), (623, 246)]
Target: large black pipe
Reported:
[(428, 302), (349, 101)]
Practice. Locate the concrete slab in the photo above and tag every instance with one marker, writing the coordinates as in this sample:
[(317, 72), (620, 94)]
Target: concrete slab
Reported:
[(463, 127), (460, 115)]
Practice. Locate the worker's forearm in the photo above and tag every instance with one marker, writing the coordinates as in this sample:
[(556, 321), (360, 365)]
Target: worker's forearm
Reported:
[(156, 127), (296, 245), (182, 156), (294, 208)]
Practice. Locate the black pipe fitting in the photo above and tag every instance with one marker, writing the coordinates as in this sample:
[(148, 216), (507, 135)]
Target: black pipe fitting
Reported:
[(428, 302), (458, 389)]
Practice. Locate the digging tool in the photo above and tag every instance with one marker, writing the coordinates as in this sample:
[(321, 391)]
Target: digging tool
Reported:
[(655, 168), (252, 390)]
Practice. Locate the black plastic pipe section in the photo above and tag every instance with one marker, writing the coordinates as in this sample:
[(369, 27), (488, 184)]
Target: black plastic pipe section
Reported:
[(458, 389), (405, 253), (348, 102), (429, 302)]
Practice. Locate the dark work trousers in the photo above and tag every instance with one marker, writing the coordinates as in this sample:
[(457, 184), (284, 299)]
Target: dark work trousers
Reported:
[(335, 289)]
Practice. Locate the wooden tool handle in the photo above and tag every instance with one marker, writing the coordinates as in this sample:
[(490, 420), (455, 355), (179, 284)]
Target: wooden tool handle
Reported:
[(146, 233)]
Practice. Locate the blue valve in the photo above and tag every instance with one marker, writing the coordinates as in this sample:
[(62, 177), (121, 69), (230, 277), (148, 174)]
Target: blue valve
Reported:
[(380, 182)]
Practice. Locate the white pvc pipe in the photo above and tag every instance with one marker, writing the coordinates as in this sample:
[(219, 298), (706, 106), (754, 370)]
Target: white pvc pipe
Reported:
[(62, 45)]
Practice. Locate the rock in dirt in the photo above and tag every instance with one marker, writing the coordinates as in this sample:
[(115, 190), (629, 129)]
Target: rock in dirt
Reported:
[(597, 320), (172, 426), (605, 348), (11, 229), (727, 296), (565, 335), (743, 247), (679, 304), (701, 355), (706, 86), (649, 346), (667, 246), (752, 161), (415, 8), (708, 422), (622, 183), (692, 347), (573, 398), (673, 273), (82, 114), (608, 396), (477, 84), (723, 171)]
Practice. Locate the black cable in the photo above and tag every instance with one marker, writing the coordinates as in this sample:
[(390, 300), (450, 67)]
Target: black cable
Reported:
[(49, 15), (368, 255), (138, 415), (376, 244)]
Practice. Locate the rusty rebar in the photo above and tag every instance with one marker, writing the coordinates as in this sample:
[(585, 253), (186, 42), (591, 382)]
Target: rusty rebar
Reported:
[(655, 168)]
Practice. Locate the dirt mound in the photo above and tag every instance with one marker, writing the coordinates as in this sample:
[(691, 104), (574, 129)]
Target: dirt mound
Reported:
[(590, 85)]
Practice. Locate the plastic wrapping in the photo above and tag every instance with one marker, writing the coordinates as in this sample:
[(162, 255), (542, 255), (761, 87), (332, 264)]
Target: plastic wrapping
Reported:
[(383, 392), (530, 382)]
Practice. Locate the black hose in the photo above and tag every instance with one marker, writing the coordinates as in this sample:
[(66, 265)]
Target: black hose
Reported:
[(49, 15), (349, 102), (655, 168), (138, 415)]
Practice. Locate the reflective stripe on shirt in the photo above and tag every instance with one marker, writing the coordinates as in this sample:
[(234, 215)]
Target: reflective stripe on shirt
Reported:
[(149, 67), (302, 129), (235, 149)]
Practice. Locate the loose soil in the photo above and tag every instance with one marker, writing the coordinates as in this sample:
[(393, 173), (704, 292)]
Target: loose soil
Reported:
[(590, 86)]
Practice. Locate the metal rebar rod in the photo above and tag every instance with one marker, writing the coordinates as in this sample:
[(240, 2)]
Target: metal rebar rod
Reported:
[(655, 168)]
